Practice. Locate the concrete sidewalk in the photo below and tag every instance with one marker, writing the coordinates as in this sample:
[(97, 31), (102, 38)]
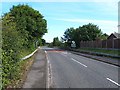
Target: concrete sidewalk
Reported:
[(36, 77)]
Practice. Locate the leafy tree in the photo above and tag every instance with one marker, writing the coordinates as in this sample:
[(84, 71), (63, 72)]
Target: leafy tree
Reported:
[(69, 35), (56, 41), (104, 36), (29, 22), (90, 32), (83, 33), (43, 42)]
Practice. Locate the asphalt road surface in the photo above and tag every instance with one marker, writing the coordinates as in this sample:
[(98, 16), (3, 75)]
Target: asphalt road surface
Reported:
[(73, 71)]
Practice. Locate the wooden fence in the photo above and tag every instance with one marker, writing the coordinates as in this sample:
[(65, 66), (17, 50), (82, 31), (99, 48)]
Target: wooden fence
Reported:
[(110, 43)]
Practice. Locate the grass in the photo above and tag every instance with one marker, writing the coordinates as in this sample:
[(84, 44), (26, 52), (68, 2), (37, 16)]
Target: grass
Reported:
[(25, 52), (113, 52)]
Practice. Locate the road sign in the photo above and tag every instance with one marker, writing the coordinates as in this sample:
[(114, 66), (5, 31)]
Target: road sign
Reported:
[(73, 44)]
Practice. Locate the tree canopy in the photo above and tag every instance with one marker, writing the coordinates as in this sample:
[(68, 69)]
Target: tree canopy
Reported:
[(56, 41), (86, 32), (29, 22)]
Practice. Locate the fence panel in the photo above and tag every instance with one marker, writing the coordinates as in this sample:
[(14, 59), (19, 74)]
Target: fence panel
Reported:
[(104, 43), (117, 43), (110, 43)]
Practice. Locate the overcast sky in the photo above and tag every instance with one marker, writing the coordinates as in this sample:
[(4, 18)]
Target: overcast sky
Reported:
[(62, 15)]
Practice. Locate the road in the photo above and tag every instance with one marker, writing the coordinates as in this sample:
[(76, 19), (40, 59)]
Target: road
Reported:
[(73, 71)]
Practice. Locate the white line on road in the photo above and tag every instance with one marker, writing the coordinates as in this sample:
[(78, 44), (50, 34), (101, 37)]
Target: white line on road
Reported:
[(47, 81), (63, 54), (46, 56), (113, 81), (46, 52), (49, 72), (79, 62)]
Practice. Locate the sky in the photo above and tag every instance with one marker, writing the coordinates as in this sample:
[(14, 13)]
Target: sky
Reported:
[(61, 15)]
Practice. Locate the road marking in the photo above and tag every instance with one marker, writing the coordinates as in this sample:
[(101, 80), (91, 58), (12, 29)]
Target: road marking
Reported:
[(64, 55), (46, 52), (47, 81), (113, 81), (79, 62), (46, 56)]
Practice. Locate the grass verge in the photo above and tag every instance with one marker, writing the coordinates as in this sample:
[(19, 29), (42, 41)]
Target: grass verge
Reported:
[(107, 51), (25, 52)]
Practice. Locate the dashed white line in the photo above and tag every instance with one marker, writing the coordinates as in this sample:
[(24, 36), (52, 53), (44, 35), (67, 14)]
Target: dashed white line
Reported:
[(46, 52), (46, 57), (63, 54), (113, 81), (79, 62)]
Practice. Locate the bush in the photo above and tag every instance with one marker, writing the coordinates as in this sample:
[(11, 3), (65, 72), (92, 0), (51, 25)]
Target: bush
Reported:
[(21, 28)]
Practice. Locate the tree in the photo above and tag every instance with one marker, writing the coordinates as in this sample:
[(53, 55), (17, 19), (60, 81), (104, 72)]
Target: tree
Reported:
[(29, 22), (56, 41), (83, 33), (69, 35), (104, 36), (43, 42), (90, 32)]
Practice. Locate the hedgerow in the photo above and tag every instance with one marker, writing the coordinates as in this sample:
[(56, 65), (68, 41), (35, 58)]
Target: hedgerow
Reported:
[(22, 27)]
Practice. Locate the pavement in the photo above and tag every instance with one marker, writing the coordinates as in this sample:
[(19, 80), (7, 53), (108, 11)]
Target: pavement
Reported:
[(69, 70), (36, 77)]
